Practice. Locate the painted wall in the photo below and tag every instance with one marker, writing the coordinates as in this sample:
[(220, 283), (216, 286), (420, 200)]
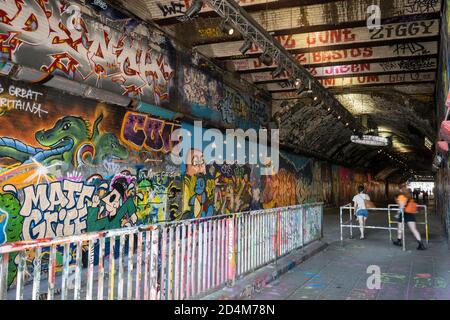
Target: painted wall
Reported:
[(204, 94), (442, 191), (70, 165), (121, 56)]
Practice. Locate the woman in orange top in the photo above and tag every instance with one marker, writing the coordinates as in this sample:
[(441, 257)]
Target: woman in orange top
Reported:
[(408, 206)]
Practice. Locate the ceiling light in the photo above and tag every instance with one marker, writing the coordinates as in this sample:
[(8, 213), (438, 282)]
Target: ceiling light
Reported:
[(316, 101), (226, 28), (301, 90), (309, 87), (297, 82), (246, 46)]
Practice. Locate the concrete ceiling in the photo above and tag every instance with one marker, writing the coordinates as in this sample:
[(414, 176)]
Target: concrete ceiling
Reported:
[(386, 76)]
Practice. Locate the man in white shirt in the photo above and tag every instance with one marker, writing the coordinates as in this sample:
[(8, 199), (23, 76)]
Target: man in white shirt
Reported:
[(360, 208)]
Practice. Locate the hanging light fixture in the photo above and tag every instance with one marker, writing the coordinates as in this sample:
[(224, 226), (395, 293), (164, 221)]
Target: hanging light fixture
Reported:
[(246, 46), (194, 9), (277, 72), (225, 27), (301, 90), (309, 88), (266, 59), (316, 101)]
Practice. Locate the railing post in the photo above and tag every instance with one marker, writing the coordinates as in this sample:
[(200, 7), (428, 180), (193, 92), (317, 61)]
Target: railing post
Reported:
[(403, 230), (36, 274), (65, 272), (51, 273), (351, 221), (340, 220), (321, 221), (4, 262), (426, 223), (231, 251), (389, 222), (278, 235), (153, 277), (303, 210)]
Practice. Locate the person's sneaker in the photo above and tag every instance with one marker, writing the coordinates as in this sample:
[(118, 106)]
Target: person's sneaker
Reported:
[(397, 242), (421, 246)]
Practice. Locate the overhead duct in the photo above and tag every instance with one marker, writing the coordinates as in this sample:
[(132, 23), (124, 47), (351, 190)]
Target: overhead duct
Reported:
[(106, 96), (26, 74), (6, 67), (64, 84), (29, 75)]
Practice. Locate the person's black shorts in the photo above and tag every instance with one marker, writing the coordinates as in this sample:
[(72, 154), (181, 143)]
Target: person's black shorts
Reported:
[(409, 217)]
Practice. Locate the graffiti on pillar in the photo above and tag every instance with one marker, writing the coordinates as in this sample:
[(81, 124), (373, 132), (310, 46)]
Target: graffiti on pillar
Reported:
[(39, 35)]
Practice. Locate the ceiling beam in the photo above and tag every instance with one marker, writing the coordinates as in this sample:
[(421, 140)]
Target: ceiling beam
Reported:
[(246, 25)]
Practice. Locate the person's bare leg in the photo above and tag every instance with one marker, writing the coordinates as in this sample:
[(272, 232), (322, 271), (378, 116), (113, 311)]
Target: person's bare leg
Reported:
[(412, 226), (361, 220), (399, 231), (398, 242)]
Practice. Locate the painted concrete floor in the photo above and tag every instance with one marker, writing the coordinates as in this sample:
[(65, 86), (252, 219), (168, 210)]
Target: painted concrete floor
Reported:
[(340, 271)]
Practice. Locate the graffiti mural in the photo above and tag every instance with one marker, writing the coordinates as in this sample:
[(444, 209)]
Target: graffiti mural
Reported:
[(43, 35), (205, 95), (99, 168), (63, 164)]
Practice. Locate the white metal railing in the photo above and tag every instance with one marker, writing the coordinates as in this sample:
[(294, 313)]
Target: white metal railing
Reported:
[(422, 209), (391, 208), (175, 260)]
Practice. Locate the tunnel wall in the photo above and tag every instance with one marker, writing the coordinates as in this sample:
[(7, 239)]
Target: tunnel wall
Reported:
[(118, 171), (120, 55), (442, 191), (99, 166), (86, 151)]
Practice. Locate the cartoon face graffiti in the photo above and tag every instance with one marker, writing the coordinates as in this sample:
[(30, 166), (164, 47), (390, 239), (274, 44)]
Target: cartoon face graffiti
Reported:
[(199, 201), (111, 202), (195, 163)]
